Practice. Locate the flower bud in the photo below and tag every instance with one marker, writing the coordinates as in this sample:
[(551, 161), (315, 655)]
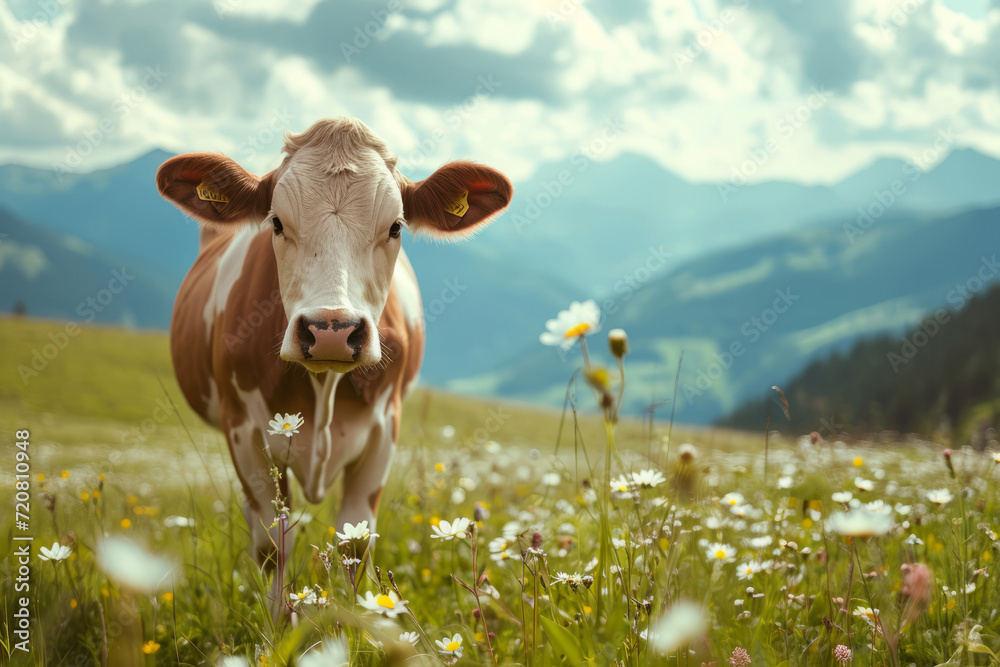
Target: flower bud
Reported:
[(618, 341)]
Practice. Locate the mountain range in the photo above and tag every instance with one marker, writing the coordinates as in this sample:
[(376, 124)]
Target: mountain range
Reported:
[(681, 266)]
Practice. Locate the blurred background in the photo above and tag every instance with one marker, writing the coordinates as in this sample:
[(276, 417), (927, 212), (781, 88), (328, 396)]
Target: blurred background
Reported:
[(788, 193)]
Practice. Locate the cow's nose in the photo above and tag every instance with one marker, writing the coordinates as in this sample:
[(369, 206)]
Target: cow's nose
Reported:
[(331, 335)]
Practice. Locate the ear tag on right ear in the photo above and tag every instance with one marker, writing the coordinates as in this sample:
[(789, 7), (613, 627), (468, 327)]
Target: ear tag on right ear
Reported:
[(460, 206), (207, 194)]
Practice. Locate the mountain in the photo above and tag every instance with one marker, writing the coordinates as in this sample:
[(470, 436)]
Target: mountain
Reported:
[(56, 275), (751, 317), (684, 263), (943, 374)]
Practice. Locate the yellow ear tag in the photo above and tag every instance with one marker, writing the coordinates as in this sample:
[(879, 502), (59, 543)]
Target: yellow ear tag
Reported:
[(460, 206), (205, 194)]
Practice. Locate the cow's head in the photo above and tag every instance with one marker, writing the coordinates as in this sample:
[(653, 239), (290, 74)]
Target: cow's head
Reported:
[(336, 207)]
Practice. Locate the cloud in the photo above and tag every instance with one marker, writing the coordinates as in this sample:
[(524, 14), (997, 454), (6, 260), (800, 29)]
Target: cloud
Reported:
[(697, 84)]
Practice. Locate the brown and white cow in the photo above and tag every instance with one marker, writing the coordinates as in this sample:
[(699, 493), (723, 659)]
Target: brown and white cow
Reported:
[(301, 300)]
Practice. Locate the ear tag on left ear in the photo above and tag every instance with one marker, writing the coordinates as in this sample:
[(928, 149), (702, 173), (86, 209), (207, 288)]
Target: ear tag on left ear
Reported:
[(207, 194), (460, 206)]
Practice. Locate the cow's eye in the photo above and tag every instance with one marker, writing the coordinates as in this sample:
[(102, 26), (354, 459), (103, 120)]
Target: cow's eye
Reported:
[(395, 230), (276, 223)]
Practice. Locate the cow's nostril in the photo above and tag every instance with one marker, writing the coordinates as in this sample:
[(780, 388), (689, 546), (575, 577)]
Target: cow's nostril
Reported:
[(306, 337), (356, 341)]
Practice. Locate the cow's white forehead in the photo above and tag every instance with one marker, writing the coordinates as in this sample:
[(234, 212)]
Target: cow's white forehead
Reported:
[(362, 196)]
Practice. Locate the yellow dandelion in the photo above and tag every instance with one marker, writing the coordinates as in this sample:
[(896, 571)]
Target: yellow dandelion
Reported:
[(858, 462), (418, 519), (168, 597), (73, 603), (96, 494), (41, 477), (126, 523), (439, 467), (132, 500), (425, 573), (84, 496), (64, 474), (150, 647), (137, 509)]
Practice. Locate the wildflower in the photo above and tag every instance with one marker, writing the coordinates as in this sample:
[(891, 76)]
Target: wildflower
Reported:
[(620, 484), (918, 589), (842, 654), (131, 566), (746, 571), (740, 658), (858, 462), (57, 553), (732, 499), (648, 479), (551, 479), (332, 654), (720, 552), (573, 580), (150, 647), (863, 484), (869, 615), (451, 646), (178, 522), (449, 531), (410, 638), (287, 425), (579, 320), (387, 604), (842, 497), (307, 596), (996, 457), (356, 532), (940, 497), (682, 624), (859, 523), (618, 342)]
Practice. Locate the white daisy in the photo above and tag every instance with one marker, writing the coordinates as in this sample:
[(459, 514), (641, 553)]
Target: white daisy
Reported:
[(620, 484), (57, 553), (648, 479), (859, 523), (551, 479), (842, 497), (307, 596), (940, 497), (387, 604), (732, 499), (449, 531), (863, 484), (287, 425), (746, 571), (175, 521), (680, 625), (410, 638), (720, 552), (331, 654), (357, 532), (131, 566), (580, 319), (450, 645)]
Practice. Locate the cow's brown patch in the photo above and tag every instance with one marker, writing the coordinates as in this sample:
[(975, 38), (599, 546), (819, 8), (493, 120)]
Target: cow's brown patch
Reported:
[(374, 499)]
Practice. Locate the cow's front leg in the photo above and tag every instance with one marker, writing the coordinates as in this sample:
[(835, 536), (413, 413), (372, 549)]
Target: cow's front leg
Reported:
[(253, 466), (365, 477)]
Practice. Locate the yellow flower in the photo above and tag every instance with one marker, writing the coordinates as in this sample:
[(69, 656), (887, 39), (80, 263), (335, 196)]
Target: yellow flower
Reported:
[(578, 330), (97, 494), (73, 603), (84, 496), (168, 597), (951, 604), (137, 509), (439, 467), (418, 519), (132, 500), (858, 462), (64, 474), (150, 647), (126, 523), (41, 477)]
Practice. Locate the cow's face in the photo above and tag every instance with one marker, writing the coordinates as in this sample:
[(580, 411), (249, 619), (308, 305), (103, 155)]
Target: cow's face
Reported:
[(336, 209)]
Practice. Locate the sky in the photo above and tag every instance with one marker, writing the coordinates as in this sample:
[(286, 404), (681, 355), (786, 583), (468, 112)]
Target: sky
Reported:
[(801, 90)]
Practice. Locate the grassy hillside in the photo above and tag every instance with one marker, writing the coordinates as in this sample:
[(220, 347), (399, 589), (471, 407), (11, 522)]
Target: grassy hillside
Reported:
[(938, 377), (106, 382)]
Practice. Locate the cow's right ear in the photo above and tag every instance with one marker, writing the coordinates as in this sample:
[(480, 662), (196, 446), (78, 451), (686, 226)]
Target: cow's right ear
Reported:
[(214, 189)]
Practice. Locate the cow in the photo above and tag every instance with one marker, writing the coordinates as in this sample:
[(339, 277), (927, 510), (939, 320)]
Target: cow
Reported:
[(301, 299)]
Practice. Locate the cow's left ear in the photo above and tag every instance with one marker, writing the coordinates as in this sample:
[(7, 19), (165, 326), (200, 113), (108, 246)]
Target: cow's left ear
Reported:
[(455, 200)]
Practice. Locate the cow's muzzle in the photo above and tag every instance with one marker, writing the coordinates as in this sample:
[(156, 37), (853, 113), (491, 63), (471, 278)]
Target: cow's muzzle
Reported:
[(321, 336)]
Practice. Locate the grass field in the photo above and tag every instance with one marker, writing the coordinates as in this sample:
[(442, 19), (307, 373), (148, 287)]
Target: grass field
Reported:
[(565, 561)]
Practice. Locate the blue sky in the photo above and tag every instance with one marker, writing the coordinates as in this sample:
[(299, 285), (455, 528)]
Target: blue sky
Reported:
[(699, 86)]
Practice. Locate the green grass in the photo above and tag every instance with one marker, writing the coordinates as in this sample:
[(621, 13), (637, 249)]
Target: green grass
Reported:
[(82, 407)]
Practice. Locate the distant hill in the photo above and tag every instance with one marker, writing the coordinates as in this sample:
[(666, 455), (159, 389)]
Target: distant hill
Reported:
[(59, 276), (942, 374), (831, 291)]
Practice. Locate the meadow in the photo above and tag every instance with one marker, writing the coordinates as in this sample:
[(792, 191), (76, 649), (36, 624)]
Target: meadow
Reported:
[(508, 534)]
